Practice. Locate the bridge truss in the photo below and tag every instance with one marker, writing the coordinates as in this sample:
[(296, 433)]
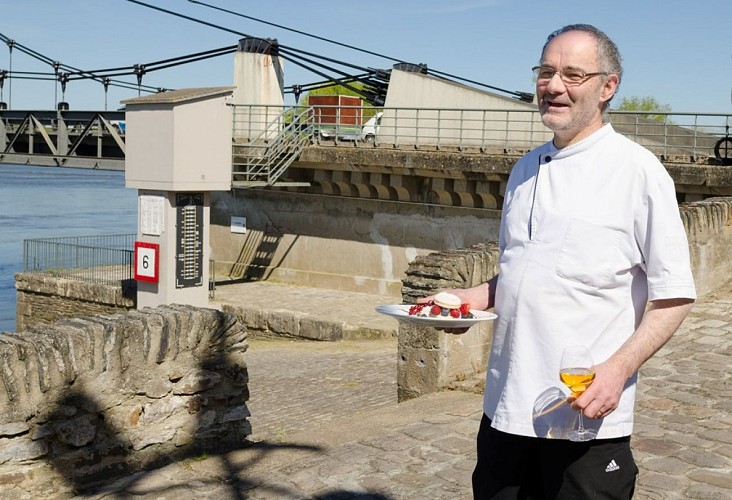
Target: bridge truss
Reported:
[(79, 139)]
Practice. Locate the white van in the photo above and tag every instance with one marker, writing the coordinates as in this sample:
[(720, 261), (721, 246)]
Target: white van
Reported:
[(371, 128)]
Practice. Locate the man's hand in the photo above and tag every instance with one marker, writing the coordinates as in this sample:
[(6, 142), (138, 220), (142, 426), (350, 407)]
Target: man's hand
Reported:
[(661, 320), (602, 396), (479, 297)]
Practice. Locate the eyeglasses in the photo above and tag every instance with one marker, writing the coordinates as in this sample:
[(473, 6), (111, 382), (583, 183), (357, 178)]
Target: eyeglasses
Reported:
[(569, 76)]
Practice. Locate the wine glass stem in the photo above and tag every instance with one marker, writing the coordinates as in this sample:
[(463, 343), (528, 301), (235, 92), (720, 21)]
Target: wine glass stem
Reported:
[(581, 429)]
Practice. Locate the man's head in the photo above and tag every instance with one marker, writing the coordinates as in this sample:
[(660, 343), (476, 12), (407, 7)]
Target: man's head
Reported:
[(578, 74)]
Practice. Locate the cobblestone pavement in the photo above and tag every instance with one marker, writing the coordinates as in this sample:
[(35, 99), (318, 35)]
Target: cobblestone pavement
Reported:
[(290, 391), (326, 426), (683, 430)]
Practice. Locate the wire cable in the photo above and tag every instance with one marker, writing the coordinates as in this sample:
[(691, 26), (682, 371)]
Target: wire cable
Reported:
[(340, 81), (525, 96), (183, 16), (518, 94), (296, 31)]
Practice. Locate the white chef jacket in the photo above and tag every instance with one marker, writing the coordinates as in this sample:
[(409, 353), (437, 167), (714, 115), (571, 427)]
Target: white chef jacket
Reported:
[(589, 233)]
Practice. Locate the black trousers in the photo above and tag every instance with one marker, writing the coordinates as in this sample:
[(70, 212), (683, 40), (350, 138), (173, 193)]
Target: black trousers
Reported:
[(519, 467)]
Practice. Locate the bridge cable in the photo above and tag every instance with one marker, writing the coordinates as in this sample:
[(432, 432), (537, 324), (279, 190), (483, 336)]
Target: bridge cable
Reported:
[(104, 75), (524, 96), (321, 65), (520, 95), (320, 84), (185, 59), (372, 91), (340, 81), (45, 59), (83, 74), (243, 35), (342, 63), (295, 31)]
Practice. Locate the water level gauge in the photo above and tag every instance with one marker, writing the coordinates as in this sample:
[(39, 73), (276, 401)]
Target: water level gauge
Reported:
[(189, 240)]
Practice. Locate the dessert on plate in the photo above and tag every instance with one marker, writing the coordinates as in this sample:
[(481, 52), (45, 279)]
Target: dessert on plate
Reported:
[(444, 305)]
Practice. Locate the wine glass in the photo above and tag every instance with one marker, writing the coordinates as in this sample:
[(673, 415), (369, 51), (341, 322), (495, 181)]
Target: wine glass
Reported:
[(577, 372)]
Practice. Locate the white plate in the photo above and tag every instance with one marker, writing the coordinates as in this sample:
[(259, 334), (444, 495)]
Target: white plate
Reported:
[(401, 313)]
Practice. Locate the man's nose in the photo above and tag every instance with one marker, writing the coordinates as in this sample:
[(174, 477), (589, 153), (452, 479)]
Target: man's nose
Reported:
[(555, 85)]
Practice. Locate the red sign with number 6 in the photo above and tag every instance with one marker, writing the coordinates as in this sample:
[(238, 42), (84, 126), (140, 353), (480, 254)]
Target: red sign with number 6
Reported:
[(147, 261)]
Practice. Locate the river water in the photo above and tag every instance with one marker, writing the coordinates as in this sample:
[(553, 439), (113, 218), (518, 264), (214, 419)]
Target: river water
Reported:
[(45, 202)]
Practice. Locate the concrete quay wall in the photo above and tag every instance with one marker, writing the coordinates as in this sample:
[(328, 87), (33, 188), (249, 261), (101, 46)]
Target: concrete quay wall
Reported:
[(85, 401), (372, 210), (430, 360), (334, 242)]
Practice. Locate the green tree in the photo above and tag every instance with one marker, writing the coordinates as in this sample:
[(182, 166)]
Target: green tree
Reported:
[(646, 105), (333, 90)]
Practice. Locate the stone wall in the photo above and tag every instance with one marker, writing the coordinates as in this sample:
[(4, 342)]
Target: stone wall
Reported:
[(45, 299), (708, 226), (430, 360), (94, 399)]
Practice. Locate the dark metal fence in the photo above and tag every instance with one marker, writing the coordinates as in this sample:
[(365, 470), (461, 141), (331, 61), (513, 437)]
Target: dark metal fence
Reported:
[(97, 259)]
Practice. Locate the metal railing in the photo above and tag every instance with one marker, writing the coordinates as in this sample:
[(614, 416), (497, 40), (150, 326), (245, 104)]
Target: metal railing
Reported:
[(104, 259), (689, 135), (266, 143)]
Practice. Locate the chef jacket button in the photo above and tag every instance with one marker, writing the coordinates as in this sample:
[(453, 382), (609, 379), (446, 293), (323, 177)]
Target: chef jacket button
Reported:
[(547, 158)]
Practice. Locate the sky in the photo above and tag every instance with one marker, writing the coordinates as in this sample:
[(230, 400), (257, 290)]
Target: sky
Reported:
[(677, 51)]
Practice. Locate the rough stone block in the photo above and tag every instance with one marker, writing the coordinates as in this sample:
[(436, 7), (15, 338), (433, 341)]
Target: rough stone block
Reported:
[(315, 329)]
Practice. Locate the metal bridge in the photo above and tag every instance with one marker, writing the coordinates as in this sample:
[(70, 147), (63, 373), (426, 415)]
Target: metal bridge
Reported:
[(266, 140), (63, 138)]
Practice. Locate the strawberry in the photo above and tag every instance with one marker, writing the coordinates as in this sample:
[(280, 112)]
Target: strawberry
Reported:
[(435, 310), (464, 309), (455, 313)]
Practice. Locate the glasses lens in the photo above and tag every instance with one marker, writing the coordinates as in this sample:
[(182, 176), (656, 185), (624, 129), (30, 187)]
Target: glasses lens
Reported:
[(573, 76), (544, 72)]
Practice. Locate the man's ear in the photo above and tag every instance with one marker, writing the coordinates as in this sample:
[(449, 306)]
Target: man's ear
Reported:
[(609, 87)]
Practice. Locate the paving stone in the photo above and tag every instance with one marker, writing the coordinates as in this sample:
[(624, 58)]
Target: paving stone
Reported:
[(657, 447), (643, 493), (721, 435), (668, 465), (457, 476), (663, 482), (430, 454), (455, 445), (713, 478), (713, 323), (724, 450), (706, 459), (421, 431), (691, 440), (704, 491)]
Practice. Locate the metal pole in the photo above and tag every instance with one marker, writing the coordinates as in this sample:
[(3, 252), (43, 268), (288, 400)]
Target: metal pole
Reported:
[(106, 88), (11, 44), (56, 66)]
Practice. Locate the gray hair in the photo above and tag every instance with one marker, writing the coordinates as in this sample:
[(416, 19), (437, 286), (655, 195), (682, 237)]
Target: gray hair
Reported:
[(608, 55)]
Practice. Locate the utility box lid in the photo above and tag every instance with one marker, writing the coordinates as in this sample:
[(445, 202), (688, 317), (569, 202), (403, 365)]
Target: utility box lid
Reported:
[(179, 140)]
